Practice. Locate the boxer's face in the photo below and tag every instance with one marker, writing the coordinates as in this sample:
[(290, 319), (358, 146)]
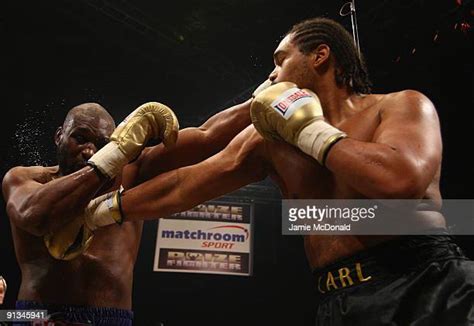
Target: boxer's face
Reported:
[(292, 65), (79, 139)]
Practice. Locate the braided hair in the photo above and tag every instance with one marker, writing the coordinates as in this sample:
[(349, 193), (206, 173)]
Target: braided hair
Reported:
[(309, 34)]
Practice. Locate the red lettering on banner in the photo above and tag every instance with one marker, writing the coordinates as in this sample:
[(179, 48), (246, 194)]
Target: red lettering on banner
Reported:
[(220, 245)]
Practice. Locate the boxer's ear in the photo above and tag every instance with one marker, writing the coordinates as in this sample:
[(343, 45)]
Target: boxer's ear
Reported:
[(58, 135), (321, 55)]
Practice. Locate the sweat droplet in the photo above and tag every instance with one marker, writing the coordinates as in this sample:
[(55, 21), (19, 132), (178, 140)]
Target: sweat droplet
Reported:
[(30, 138)]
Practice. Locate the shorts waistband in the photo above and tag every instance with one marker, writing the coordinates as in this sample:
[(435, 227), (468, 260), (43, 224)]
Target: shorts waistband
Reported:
[(385, 260)]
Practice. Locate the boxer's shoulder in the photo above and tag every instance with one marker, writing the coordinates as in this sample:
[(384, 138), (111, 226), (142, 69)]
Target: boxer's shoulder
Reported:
[(405, 104), (405, 93), (383, 100), (19, 174), (407, 100)]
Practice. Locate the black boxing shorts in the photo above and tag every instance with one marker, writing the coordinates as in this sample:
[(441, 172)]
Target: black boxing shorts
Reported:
[(77, 315), (412, 280)]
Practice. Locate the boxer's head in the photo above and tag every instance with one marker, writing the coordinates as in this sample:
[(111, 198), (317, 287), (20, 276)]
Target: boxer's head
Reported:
[(316, 47), (85, 130)]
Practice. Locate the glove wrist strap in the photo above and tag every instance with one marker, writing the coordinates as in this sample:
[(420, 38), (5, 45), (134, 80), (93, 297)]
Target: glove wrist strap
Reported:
[(317, 138), (104, 210), (109, 160)]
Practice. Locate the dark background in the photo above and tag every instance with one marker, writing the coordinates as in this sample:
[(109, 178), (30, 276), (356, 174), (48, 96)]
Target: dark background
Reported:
[(200, 57)]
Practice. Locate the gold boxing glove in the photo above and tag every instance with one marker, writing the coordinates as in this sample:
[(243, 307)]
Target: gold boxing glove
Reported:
[(70, 240), (151, 120), (285, 112), (104, 210), (74, 238)]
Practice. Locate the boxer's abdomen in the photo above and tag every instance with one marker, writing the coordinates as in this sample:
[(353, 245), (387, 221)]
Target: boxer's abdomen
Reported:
[(101, 277)]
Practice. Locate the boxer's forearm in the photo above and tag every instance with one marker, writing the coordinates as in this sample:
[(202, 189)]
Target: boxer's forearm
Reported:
[(156, 198), (184, 188), (378, 170), (239, 164), (40, 208), (194, 144)]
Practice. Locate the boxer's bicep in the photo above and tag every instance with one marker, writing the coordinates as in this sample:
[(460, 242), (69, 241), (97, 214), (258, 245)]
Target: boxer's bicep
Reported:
[(19, 190), (410, 126), (37, 203)]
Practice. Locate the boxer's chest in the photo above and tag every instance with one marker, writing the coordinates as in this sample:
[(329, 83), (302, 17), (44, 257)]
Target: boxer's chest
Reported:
[(300, 176)]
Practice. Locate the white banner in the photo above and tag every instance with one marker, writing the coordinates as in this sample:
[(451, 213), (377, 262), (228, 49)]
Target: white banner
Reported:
[(211, 238)]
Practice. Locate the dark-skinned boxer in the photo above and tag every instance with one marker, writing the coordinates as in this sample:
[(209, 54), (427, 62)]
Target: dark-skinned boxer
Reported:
[(72, 276)]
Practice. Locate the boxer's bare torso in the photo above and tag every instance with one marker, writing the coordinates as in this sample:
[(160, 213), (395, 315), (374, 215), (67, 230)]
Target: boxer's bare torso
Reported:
[(249, 158), (102, 276), (300, 177)]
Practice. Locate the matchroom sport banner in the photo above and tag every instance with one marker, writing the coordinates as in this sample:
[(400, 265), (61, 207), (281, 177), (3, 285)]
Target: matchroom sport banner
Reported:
[(211, 238)]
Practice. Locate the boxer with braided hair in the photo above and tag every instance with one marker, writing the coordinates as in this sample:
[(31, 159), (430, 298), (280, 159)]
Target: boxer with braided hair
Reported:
[(321, 136)]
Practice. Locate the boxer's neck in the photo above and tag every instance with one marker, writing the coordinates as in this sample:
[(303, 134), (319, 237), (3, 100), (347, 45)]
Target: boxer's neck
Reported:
[(336, 102)]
